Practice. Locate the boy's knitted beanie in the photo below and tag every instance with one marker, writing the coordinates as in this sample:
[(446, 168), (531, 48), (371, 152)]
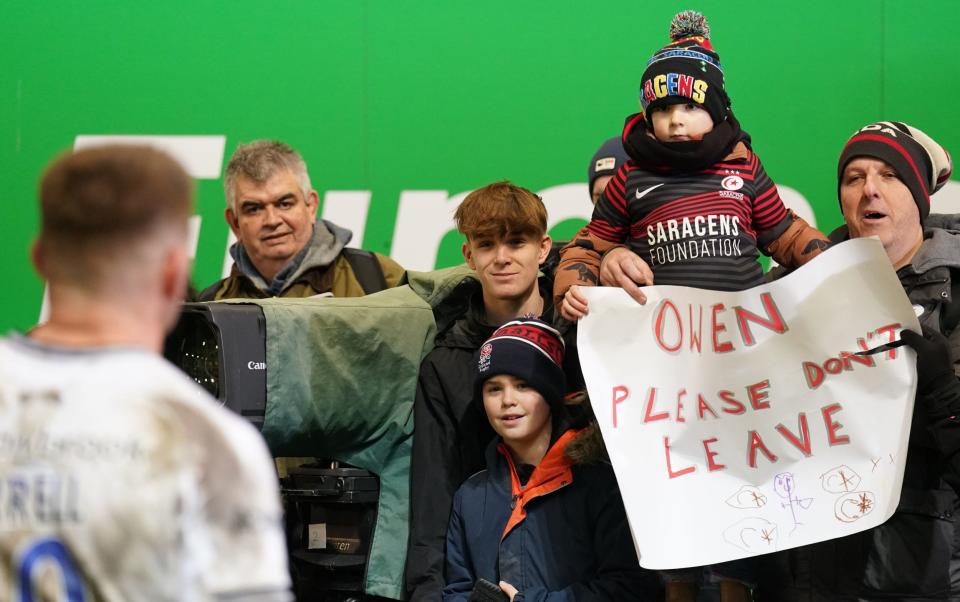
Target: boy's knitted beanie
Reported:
[(923, 165), (529, 349), (606, 161), (686, 70)]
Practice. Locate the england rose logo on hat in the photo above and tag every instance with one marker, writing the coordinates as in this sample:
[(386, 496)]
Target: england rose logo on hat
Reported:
[(528, 349), (485, 352)]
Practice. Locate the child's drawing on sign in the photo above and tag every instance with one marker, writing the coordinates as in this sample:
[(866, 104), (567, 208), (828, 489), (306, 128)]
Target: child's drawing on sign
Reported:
[(786, 488), (854, 506), (747, 497), (876, 461), (752, 534), (841, 479)]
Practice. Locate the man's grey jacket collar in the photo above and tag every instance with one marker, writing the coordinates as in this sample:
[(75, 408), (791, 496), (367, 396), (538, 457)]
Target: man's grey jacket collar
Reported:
[(323, 248)]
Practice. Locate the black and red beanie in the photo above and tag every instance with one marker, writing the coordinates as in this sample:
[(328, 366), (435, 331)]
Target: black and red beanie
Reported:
[(923, 165), (686, 70), (529, 349)]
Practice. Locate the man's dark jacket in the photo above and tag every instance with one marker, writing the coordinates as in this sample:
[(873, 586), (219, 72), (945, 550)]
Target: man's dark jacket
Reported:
[(915, 555)]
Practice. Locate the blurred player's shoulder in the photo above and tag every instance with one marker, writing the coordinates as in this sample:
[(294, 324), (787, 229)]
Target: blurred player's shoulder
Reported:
[(128, 382), (128, 431)]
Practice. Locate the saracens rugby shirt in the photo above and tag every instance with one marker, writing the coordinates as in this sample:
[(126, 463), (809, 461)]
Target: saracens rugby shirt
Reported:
[(697, 228)]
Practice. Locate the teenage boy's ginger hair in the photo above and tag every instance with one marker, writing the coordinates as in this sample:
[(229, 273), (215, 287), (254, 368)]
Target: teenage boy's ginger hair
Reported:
[(501, 208)]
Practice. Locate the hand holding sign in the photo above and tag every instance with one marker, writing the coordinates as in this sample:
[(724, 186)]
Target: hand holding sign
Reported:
[(708, 400)]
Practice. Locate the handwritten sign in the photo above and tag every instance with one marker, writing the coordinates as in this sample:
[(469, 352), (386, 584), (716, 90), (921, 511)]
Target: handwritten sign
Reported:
[(744, 423)]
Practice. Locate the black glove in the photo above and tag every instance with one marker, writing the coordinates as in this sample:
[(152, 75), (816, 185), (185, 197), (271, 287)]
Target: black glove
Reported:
[(934, 364)]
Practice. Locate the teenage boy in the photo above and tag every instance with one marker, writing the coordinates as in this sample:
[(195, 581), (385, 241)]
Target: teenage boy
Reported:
[(545, 521), (506, 242)]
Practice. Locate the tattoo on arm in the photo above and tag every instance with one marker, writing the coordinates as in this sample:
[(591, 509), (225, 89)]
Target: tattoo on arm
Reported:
[(583, 273), (814, 245)]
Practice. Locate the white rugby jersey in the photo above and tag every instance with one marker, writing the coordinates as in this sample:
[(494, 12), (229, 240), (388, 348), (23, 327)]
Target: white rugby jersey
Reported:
[(120, 479)]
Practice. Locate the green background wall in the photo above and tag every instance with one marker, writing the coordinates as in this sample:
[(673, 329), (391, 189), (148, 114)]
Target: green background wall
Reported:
[(389, 97)]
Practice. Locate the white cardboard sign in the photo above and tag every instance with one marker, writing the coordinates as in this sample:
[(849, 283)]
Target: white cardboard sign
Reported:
[(743, 423)]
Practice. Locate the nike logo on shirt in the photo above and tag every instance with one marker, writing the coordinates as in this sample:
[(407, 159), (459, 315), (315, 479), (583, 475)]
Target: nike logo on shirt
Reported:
[(641, 194)]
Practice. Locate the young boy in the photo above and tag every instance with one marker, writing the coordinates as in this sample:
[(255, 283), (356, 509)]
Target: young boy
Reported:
[(694, 201), (537, 522)]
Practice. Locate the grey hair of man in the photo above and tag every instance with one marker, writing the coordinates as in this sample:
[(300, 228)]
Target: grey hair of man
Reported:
[(259, 161)]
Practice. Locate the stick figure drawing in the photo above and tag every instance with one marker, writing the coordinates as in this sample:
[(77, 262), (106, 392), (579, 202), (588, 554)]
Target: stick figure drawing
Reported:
[(785, 486)]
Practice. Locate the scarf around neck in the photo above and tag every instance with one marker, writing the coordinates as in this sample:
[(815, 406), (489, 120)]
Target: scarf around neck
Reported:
[(691, 155)]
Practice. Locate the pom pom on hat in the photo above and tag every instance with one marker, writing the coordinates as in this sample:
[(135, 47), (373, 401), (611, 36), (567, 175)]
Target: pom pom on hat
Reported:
[(686, 70), (688, 24)]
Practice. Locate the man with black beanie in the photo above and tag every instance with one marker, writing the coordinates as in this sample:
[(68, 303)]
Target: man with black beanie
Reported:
[(886, 175)]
